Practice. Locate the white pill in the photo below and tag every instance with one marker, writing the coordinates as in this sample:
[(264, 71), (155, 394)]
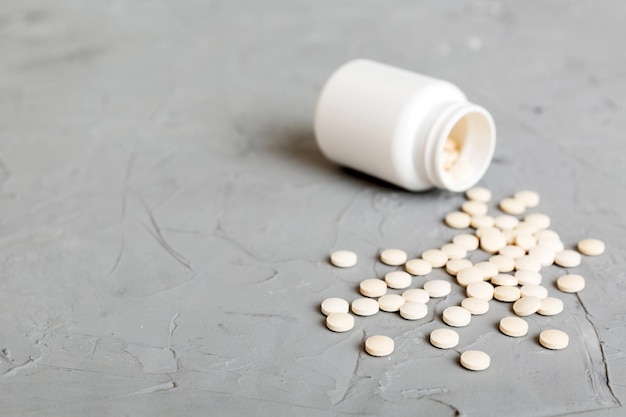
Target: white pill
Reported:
[(437, 258), (488, 269), (482, 221), (475, 360), (456, 316), (475, 306), (437, 288), (506, 293), (444, 338), (506, 222), (553, 244), (570, 283), (554, 339), (454, 251), (544, 254), (527, 228), (481, 289), (481, 194), (379, 345), (393, 257), (567, 258), (413, 310), (514, 326), (469, 242), (418, 267), (529, 198), (550, 306), (343, 258), (504, 279), (512, 251), (528, 277), (492, 241), (458, 220), (340, 322), (591, 247), (504, 263), (525, 241), (531, 290), (390, 302), (527, 263), (474, 208), (481, 231), (398, 279), (512, 206), (539, 220), (373, 287), (547, 234), (365, 307), (526, 306), (453, 266), (468, 275), (334, 305), (416, 294)]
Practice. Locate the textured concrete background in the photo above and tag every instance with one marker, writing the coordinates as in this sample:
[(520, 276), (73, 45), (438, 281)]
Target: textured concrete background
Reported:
[(165, 216)]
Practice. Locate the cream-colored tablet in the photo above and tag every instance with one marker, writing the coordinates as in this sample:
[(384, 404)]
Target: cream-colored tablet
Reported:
[(475, 306), (530, 290), (437, 288), (469, 242), (481, 194), (547, 234), (525, 241), (343, 258), (398, 279), (373, 287), (526, 306), (512, 206), (567, 258), (591, 247), (393, 257), (570, 283), (551, 243), (480, 232), (444, 338), (504, 263), (413, 310), (544, 254), (453, 266), (437, 258), (481, 289), (514, 326), (416, 294), (509, 235), (482, 221), (527, 263), (418, 267), (489, 269), (504, 279), (492, 241), (468, 275), (512, 251), (474, 208), (454, 251), (390, 302), (379, 345), (528, 197), (340, 322), (506, 293), (539, 220), (525, 228), (365, 306), (475, 360), (554, 339), (458, 220), (334, 305), (550, 306), (528, 277), (456, 316), (506, 222)]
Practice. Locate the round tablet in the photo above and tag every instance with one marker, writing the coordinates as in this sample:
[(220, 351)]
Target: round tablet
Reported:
[(475, 306), (393, 257), (539, 220), (390, 302), (547, 234), (475, 360), (527, 263), (398, 279), (340, 322), (506, 222), (554, 339), (474, 208), (526, 306), (482, 221), (554, 244), (506, 293), (531, 290), (456, 316), (418, 267), (468, 275), (413, 310), (437, 288), (525, 241), (512, 251), (480, 289), (504, 263), (334, 305), (365, 307), (481, 194), (567, 258), (458, 220), (570, 283), (469, 242), (591, 247), (480, 232), (488, 269), (453, 266), (416, 294), (379, 345), (528, 277), (529, 198), (492, 241), (514, 326), (373, 287), (343, 258), (454, 251), (512, 206), (550, 306), (437, 258), (444, 338), (527, 228), (544, 254), (504, 279)]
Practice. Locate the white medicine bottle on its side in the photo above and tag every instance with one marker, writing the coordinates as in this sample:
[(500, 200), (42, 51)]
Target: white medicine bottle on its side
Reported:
[(408, 129)]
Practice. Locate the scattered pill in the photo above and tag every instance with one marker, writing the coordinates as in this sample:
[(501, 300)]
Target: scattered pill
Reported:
[(550, 306), (525, 241), (539, 220), (506, 222), (547, 234), (481, 231), (393, 257), (570, 283), (526, 306), (512, 206), (458, 220), (528, 277), (527, 263), (544, 254), (379, 345), (454, 251), (453, 266), (468, 275), (413, 310), (444, 338), (482, 221), (527, 228), (334, 305), (506, 293), (492, 241), (481, 289), (504, 279), (398, 279), (553, 339), (437, 288), (478, 194), (567, 258), (488, 269), (591, 247), (474, 208), (456, 316), (390, 302), (437, 258), (475, 306), (531, 290), (340, 322), (503, 263), (469, 242), (475, 360), (365, 307), (418, 267), (529, 198), (416, 294), (514, 326), (512, 251), (343, 258), (373, 287)]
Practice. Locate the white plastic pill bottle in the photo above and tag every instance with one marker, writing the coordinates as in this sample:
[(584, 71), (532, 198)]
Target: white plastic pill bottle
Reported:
[(408, 129)]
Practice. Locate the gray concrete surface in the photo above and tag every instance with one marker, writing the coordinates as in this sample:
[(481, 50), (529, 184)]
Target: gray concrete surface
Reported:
[(165, 216)]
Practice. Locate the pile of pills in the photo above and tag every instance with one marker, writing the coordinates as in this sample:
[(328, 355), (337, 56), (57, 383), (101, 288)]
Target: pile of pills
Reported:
[(519, 247)]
